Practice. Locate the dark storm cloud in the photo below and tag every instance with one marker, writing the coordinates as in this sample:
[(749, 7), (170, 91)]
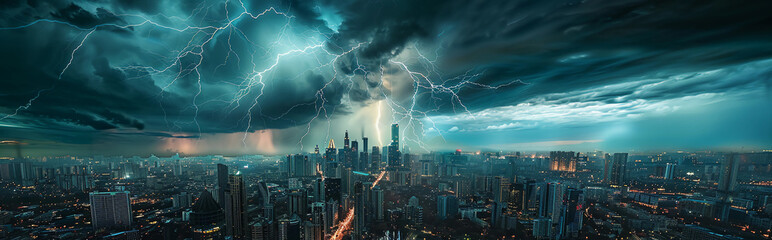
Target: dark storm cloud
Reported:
[(156, 78), (558, 46)]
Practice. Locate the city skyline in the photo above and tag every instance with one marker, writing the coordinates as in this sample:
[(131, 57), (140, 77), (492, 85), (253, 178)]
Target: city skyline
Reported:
[(398, 119), (277, 77)]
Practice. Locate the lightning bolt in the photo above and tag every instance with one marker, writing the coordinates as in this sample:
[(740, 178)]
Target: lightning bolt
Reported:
[(186, 61)]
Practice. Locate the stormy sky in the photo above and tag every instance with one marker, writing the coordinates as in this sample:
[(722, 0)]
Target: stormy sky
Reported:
[(270, 77)]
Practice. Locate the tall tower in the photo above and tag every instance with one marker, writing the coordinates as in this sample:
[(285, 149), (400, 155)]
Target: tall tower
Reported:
[(330, 152), (395, 135), (222, 183), (317, 221), (394, 154), (727, 182), (360, 209), (236, 217), (353, 153), (346, 141), (364, 157), (619, 169)]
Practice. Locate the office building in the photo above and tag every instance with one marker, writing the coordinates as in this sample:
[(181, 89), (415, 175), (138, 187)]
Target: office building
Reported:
[(447, 207), (727, 182), (222, 184), (618, 172), (110, 210), (669, 171), (207, 218), (236, 204), (562, 161)]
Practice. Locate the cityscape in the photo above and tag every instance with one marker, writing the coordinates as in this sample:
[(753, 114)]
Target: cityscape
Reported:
[(385, 120), (387, 192)]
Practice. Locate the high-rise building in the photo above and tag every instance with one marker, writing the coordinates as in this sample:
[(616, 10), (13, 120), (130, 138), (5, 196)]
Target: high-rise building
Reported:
[(500, 189), (332, 189), (375, 159), (222, 183), (551, 198), (318, 231), (354, 155), (360, 208), (262, 229), (394, 158), (572, 217), (110, 209), (497, 214), (727, 182), (330, 154), (364, 156), (207, 217), (236, 204), (331, 217), (378, 202), (562, 161), (264, 200), (182, 200), (414, 212), (447, 207), (669, 171), (296, 165), (346, 141), (298, 201), (607, 162), (542, 228), (289, 228), (619, 169)]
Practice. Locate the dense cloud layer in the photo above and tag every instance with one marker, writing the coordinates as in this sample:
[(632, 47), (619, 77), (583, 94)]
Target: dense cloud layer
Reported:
[(131, 70)]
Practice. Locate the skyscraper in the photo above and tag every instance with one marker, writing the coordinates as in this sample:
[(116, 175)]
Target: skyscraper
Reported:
[(619, 169), (296, 165), (394, 154), (414, 211), (332, 189), (551, 198), (110, 209), (727, 182), (360, 209), (262, 229), (298, 201), (500, 189), (354, 155), (669, 171), (542, 228), (562, 161), (289, 228), (222, 183), (607, 168), (317, 221), (447, 206), (264, 200), (346, 141), (378, 202), (571, 219), (330, 153), (207, 217), (236, 203), (182, 200), (364, 157), (375, 159)]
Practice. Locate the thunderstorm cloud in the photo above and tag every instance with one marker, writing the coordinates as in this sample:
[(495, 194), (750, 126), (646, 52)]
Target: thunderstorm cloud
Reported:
[(241, 76)]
